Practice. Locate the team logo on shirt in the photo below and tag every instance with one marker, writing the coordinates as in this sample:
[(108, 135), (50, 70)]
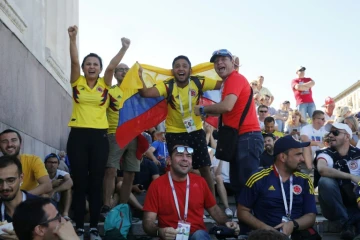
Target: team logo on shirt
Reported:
[(353, 165), (99, 89), (297, 189), (192, 92)]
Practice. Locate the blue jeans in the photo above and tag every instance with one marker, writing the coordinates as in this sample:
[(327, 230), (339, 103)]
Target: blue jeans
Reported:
[(306, 108), (247, 158), (331, 203), (199, 235), (281, 125)]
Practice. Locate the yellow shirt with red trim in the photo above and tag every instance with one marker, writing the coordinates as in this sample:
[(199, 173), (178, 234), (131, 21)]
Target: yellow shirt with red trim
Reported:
[(33, 168), (115, 97), (89, 105), (174, 120)]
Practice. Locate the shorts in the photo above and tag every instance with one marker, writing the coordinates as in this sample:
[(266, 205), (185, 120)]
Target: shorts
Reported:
[(196, 140), (130, 163)]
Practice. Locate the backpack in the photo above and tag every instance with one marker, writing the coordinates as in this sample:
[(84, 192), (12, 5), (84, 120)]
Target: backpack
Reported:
[(171, 82), (118, 222)]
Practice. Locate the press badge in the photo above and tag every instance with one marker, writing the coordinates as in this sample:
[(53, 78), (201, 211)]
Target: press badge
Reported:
[(189, 124), (183, 231)]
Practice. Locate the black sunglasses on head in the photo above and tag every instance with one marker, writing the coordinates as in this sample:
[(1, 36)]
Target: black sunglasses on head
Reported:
[(182, 149)]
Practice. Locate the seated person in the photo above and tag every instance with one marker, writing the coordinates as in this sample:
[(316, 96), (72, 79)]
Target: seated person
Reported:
[(267, 157), (262, 234), (280, 197), (339, 172), (38, 219), (36, 179), (61, 183), (158, 151), (175, 190), (269, 123)]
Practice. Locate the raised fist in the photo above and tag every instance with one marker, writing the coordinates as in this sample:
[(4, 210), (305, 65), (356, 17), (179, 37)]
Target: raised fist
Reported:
[(72, 30), (125, 42)]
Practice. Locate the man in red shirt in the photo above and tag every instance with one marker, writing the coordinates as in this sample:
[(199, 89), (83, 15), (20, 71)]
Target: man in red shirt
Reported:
[(167, 199), (234, 96), (301, 87)]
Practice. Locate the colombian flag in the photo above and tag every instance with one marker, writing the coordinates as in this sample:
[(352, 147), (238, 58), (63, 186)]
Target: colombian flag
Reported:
[(138, 114)]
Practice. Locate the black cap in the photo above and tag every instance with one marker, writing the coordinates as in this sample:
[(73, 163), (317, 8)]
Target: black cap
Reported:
[(288, 142)]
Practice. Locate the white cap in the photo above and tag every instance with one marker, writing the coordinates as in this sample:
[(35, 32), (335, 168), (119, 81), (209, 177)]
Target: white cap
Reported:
[(337, 125)]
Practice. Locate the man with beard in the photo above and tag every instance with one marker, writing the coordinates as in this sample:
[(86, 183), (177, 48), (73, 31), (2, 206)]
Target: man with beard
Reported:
[(339, 169), (280, 197), (36, 179), (11, 196), (267, 157), (130, 164), (179, 199), (181, 122), (236, 95)]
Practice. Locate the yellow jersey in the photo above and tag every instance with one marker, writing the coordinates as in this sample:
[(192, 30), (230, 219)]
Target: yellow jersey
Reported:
[(174, 120), (33, 168), (89, 105), (115, 97)]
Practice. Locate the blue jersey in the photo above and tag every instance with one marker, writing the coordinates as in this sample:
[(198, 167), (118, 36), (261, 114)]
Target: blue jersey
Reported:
[(263, 195)]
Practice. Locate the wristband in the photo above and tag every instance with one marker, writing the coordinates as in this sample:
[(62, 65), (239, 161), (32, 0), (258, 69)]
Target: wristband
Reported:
[(296, 225), (202, 111)]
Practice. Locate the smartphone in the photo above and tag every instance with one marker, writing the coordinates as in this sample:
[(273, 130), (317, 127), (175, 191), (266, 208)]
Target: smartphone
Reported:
[(294, 130)]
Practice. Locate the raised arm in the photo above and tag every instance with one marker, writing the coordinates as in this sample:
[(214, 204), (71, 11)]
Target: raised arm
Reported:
[(146, 92), (109, 72), (74, 55)]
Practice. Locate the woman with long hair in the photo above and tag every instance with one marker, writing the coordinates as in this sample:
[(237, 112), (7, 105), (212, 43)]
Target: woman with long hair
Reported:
[(88, 145), (294, 124)]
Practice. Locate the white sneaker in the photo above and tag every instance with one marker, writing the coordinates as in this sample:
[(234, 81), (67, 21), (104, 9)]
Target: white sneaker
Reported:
[(94, 234), (80, 233), (229, 213)]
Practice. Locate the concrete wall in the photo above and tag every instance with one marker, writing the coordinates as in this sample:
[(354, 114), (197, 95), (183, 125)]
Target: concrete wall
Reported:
[(35, 93)]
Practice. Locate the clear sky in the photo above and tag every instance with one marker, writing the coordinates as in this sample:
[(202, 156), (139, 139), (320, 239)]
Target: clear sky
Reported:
[(271, 38)]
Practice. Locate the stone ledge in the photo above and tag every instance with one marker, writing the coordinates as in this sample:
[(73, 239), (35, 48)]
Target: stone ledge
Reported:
[(14, 15)]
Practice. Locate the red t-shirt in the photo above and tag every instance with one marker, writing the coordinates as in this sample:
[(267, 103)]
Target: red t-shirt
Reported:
[(159, 199), (238, 85), (302, 96)]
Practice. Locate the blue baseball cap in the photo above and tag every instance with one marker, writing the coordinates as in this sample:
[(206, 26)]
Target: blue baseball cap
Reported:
[(288, 142), (220, 52)]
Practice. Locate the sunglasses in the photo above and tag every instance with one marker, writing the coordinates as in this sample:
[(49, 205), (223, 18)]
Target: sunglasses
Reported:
[(336, 132), (122, 70), (182, 149), (263, 111), (222, 52), (56, 218)]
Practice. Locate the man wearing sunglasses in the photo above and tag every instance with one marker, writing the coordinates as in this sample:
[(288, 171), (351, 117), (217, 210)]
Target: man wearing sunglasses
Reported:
[(38, 219), (179, 198), (313, 133), (130, 163), (339, 172), (11, 176), (235, 95)]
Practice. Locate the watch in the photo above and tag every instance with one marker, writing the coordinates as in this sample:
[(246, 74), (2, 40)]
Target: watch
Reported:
[(296, 225), (202, 111)]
